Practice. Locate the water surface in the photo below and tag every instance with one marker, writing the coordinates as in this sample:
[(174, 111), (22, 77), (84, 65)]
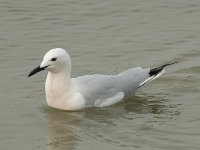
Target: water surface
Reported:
[(101, 37)]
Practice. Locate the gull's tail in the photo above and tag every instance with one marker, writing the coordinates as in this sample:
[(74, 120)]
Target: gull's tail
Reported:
[(156, 72)]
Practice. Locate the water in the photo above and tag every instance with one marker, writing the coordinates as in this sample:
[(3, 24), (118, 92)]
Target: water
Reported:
[(101, 37)]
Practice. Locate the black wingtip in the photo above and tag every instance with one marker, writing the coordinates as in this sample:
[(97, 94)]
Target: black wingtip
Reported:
[(157, 70), (168, 64)]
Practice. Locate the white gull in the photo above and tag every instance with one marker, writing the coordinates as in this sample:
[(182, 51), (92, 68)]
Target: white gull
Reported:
[(97, 90)]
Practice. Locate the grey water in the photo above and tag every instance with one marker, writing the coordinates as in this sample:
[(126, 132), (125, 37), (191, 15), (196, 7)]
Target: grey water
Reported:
[(106, 36)]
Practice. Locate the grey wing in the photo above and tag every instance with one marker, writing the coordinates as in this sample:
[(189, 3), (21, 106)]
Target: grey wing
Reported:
[(98, 88), (132, 78), (103, 87)]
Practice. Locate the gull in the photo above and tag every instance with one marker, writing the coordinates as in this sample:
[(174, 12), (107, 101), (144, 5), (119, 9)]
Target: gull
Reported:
[(97, 90)]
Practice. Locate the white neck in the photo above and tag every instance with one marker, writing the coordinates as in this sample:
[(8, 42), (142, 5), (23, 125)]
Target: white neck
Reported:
[(61, 92), (57, 85)]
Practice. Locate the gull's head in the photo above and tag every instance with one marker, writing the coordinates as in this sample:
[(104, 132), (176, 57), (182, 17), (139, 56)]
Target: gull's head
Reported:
[(55, 60)]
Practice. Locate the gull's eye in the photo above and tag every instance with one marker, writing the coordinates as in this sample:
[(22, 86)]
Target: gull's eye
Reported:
[(53, 59)]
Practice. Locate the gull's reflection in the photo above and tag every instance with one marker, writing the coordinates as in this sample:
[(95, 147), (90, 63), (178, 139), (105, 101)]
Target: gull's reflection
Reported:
[(63, 129), (67, 129)]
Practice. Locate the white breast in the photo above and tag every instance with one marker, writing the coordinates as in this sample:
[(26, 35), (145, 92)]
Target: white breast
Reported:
[(62, 94)]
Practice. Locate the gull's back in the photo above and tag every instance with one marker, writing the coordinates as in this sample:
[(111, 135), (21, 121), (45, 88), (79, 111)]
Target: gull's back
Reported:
[(98, 88)]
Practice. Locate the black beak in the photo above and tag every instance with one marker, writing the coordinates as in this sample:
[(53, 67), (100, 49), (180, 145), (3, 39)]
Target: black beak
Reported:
[(36, 70)]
